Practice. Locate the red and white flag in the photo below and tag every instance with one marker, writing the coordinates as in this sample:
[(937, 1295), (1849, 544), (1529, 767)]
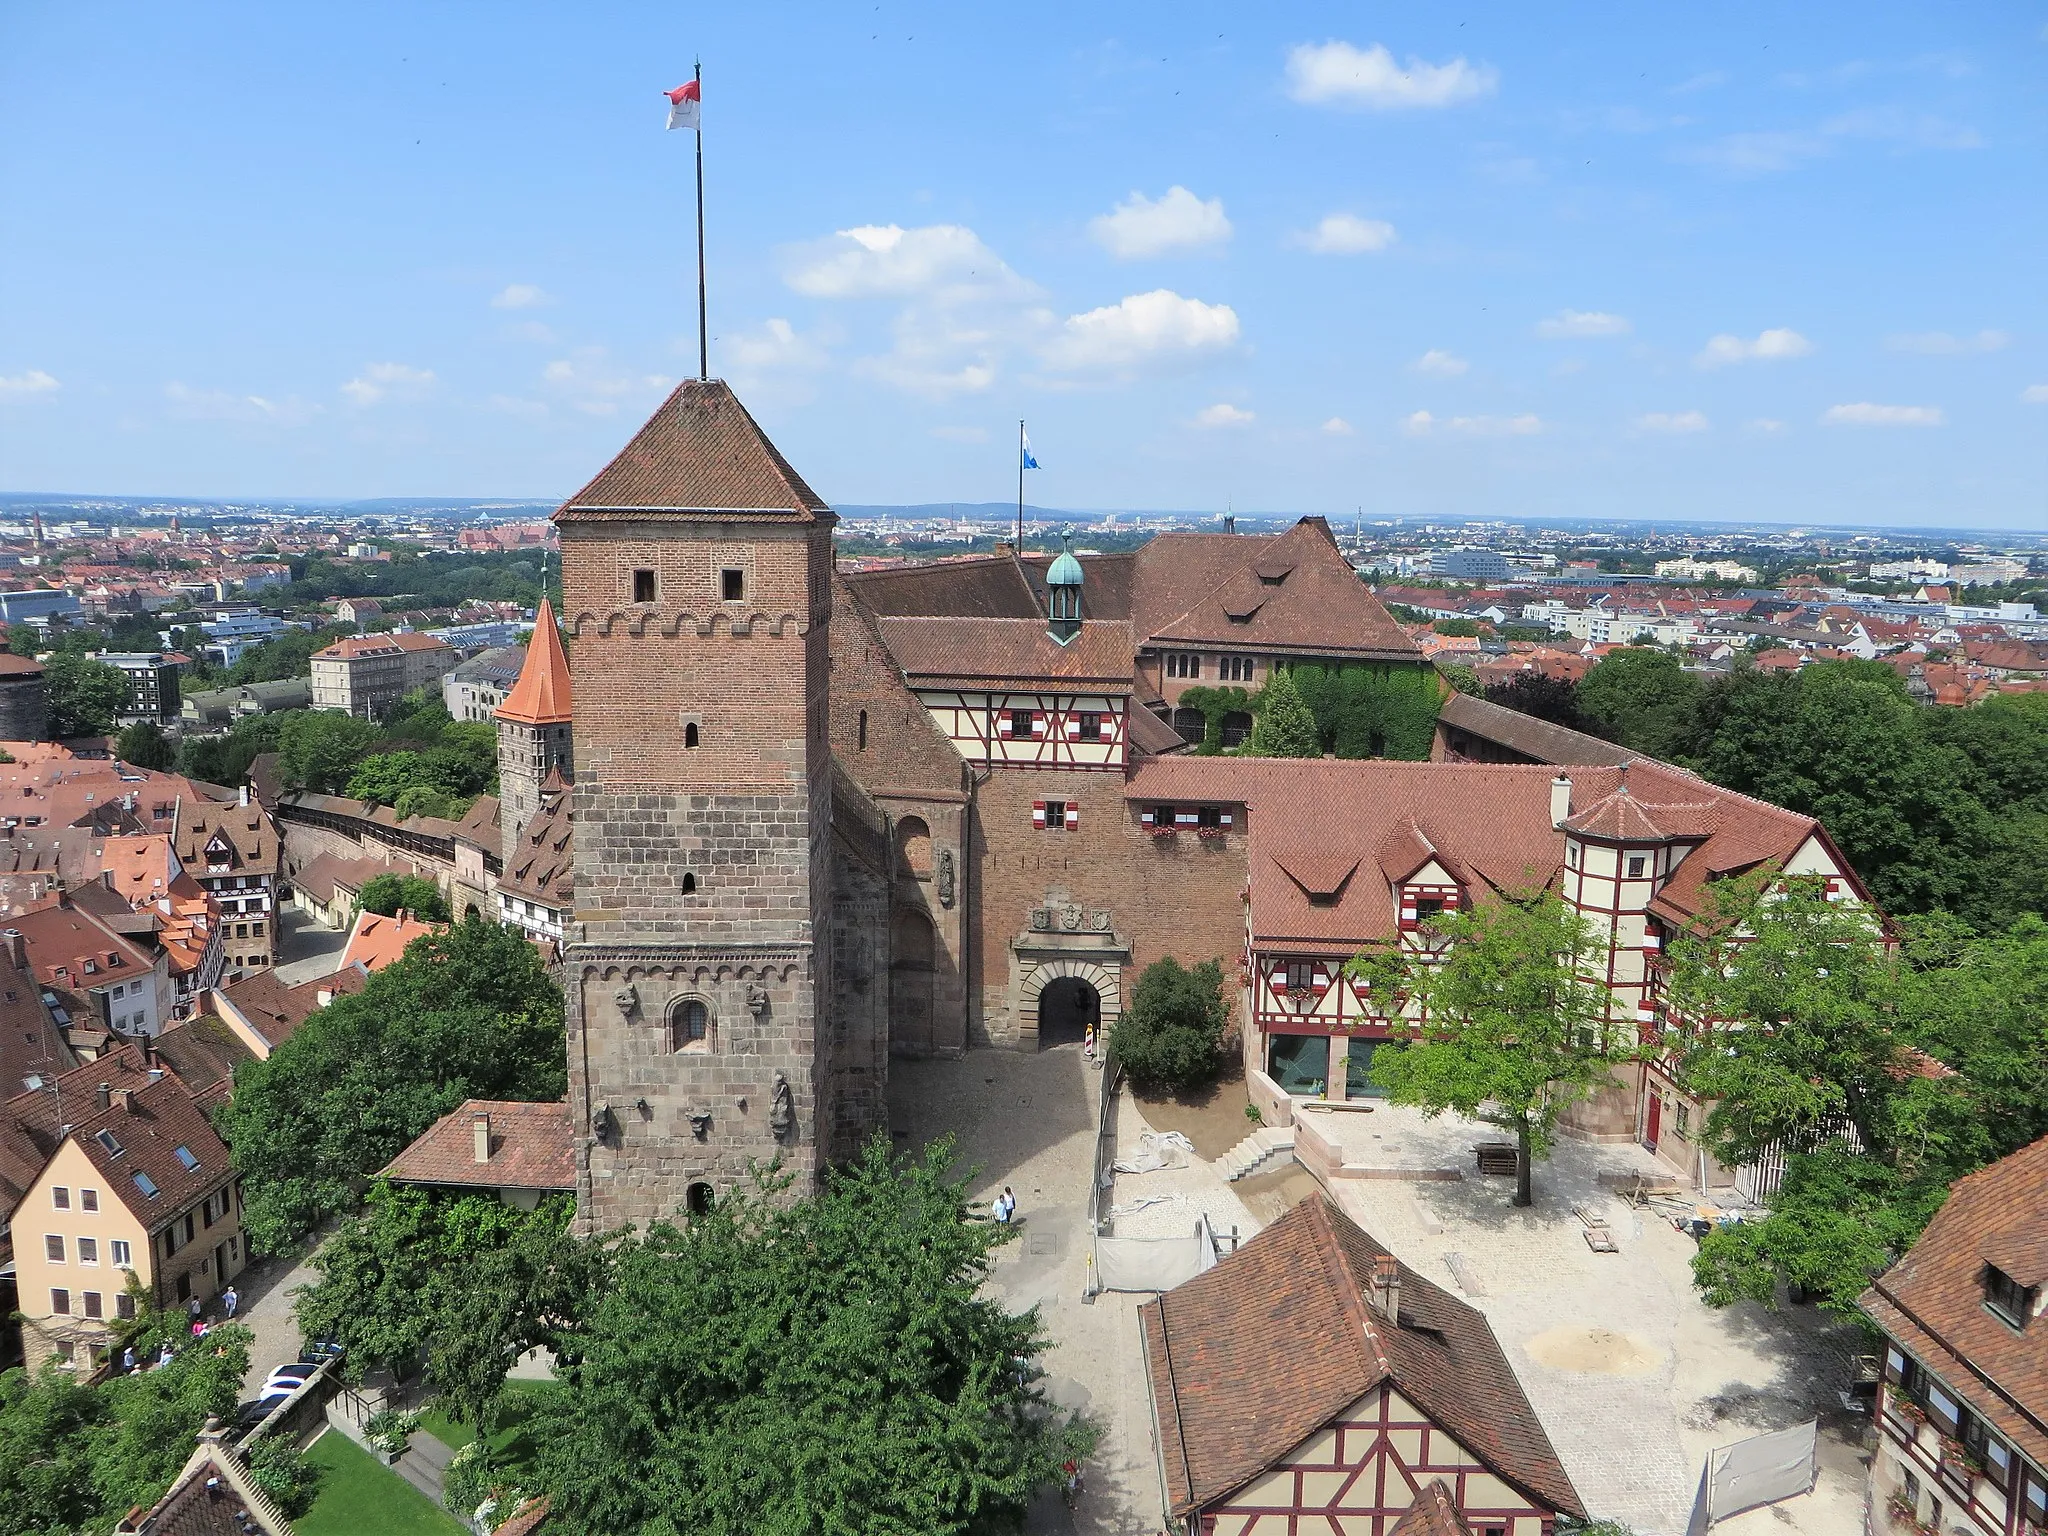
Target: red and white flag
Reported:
[(685, 104)]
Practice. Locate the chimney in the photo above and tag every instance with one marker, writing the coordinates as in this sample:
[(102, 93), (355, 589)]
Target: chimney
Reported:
[(1386, 1288), (17, 948), (480, 1129), (324, 996), (125, 1098), (1560, 800), (242, 795), (104, 1094)]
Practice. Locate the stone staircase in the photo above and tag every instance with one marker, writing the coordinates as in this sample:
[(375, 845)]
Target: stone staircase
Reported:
[(1265, 1149), (425, 1465)]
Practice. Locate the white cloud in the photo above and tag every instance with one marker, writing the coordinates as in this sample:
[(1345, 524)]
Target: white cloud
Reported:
[(380, 379), (1346, 234), (188, 404), (1223, 414), (1155, 329), (775, 347), (1759, 154), (519, 296), (1763, 424), (1179, 221), (1673, 421), (2035, 394), (33, 382), (1337, 426), (1441, 364), (1570, 323), (1769, 346), (1338, 74), (591, 385), (1864, 414), (1422, 424), (947, 262), (1941, 344), (961, 434)]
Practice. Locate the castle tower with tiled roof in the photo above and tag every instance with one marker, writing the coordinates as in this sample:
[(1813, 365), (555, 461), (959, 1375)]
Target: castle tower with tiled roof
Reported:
[(696, 581), (534, 736)]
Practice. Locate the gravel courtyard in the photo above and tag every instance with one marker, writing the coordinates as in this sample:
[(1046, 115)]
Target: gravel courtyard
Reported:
[(1633, 1377)]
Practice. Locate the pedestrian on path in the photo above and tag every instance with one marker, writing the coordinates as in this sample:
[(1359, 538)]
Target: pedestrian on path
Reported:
[(228, 1301), (1005, 1206)]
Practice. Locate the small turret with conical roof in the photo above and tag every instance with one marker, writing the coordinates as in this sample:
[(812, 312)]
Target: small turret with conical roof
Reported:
[(533, 730), (1063, 595)]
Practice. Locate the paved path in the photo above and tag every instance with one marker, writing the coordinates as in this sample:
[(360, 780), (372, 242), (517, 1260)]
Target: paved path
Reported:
[(305, 949), (266, 1291)]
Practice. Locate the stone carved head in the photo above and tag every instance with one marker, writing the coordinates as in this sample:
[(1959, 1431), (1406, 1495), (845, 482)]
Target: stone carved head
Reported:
[(757, 999), (626, 999)]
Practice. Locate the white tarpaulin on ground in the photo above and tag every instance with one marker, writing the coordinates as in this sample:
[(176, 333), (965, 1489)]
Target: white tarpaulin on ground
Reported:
[(1153, 1263), (1156, 1150), (1760, 1470)]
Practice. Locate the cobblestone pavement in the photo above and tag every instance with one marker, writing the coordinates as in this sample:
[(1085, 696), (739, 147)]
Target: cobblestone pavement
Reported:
[(305, 949), (266, 1291), (1634, 1378), (1028, 1121)]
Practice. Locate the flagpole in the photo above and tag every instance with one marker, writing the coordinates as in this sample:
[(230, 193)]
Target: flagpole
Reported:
[(1020, 488), (703, 335)]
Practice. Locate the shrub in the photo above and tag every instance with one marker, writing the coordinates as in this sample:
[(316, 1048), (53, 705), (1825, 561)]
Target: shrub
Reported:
[(1171, 1037), (389, 1429), (280, 1470)]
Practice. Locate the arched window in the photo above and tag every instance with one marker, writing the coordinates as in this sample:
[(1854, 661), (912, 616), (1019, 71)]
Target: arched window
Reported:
[(689, 1025), (698, 1198), (914, 843), (690, 734), (689, 883)]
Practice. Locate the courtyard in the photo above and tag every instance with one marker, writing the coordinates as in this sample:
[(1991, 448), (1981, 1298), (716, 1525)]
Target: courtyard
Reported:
[(1634, 1378)]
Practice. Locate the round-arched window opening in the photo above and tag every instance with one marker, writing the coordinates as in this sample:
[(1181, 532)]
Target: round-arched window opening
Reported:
[(698, 1199), (689, 1025), (689, 883), (690, 734)]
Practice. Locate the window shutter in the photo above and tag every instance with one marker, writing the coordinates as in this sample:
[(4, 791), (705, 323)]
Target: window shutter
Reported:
[(1037, 722), (1003, 723), (1226, 818), (1038, 814), (1073, 816), (1145, 818)]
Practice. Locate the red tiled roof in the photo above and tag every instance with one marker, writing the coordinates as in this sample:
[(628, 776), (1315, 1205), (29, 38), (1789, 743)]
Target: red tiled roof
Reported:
[(375, 941), (542, 867), (988, 587), (531, 1147), (541, 696), (1010, 650), (1252, 1357), (275, 1011), (1434, 1513), (1932, 1300), (699, 452), (146, 1132)]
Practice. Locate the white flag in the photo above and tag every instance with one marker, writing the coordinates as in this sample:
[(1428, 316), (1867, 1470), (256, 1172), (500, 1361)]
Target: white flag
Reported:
[(685, 103)]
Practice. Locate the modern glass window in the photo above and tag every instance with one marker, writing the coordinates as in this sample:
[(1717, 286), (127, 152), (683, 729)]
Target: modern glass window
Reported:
[(60, 1303), (184, 1155), (53, 1248), (1358, 1081), (1300, 1064), (147, 1185), (88, 1250), (119, 1251), (60, 1197)]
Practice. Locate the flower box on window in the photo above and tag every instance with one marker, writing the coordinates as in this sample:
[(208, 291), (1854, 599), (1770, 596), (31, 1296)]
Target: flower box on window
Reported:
[(1168, 831), (1212, 834)]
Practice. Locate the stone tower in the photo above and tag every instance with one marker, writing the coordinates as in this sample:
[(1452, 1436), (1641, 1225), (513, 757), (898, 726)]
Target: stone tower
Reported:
[(696, 579), (533, 730)]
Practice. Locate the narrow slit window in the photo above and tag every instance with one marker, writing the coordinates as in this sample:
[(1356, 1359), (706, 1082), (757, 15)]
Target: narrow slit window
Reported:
[(690, 734)]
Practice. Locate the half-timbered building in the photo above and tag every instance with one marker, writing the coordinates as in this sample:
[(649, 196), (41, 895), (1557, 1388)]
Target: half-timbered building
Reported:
[(1311, 1384)]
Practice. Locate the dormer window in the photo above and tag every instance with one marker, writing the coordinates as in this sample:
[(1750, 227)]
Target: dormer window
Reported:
[(2006, 1297)]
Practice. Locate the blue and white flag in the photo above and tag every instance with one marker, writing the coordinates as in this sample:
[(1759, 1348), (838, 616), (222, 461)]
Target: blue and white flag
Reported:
[(1029, 461)]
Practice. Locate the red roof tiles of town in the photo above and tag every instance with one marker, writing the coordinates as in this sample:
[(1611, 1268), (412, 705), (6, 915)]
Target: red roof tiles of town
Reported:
[(531, 1146), (375, 941), (933, 650)]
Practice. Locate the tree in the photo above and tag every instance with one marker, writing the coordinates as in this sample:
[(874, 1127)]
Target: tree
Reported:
[(1496, 1016), (84, 695), (1171, 1037), (1547, 698), (393, 892), (318, 749), (1641, 697), (1283, 724), (144, 745), (824, 1365), (76, 1457), (469, 1012), (1463, 679)]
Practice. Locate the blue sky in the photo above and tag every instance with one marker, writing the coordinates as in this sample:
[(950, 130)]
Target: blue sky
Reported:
[(1739, 261)]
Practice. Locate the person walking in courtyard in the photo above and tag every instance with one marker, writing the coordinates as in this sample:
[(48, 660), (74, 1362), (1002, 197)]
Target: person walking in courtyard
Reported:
[(228, 1302), (1005, 1206)]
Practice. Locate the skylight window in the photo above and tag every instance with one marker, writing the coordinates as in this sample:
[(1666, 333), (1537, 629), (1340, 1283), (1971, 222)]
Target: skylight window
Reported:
[(106, 1139), (185, 1156), (147, 1185)]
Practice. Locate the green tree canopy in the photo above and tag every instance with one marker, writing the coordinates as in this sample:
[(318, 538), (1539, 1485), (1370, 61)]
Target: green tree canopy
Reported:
[(1171, 1037), (318, 749), (1643, 698), (1283, 725), (1496, 1018), (144, 745), (466, 1013), (393, 892), (84, 695), (1547, 698), (819, 1367)]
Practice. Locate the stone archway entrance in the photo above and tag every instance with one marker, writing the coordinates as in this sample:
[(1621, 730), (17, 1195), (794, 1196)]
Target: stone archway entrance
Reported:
[(1066, 1008)]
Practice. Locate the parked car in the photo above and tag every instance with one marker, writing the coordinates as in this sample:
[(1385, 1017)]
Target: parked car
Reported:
[(315, 1351), (287, 1379)]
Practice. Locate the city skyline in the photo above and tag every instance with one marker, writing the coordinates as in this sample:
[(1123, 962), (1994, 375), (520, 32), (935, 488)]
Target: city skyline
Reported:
[(1485, 269)]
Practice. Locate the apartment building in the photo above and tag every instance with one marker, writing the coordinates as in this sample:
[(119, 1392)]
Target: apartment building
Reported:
[(367, 675), (232, 851)]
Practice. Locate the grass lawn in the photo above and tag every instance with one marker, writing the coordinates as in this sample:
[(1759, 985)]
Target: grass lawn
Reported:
[(359, 1494), (511, 1446)]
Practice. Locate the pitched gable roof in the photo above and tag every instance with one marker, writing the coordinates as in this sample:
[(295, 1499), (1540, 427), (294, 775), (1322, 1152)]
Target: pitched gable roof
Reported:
[(1434, 1513), (531, 1146), (541, 696), (699, 452), (1251, 1358)]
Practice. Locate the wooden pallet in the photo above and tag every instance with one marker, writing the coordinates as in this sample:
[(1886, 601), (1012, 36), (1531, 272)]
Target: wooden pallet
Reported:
[(1495, 1157)]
